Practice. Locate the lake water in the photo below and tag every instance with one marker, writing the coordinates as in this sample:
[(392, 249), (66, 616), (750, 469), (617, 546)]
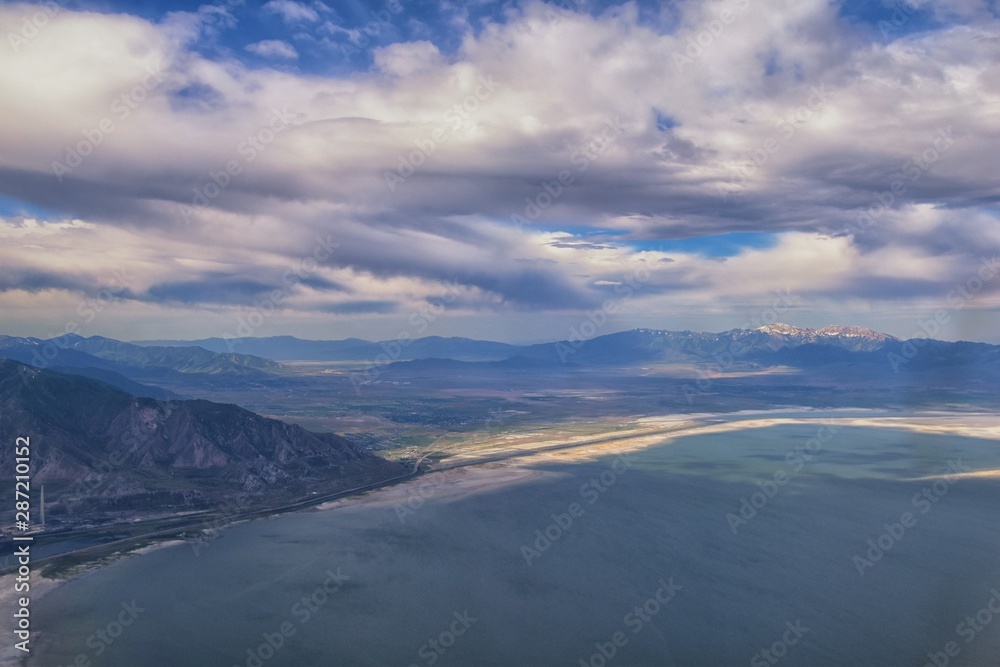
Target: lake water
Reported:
[(655, 568)]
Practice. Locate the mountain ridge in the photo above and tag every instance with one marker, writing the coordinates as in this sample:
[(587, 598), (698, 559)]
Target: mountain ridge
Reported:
[(115, 353), (737, 348), (290, 348), (162, 450)]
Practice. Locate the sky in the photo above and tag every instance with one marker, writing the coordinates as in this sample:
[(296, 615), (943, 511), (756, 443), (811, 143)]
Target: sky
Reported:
[(499, 170)]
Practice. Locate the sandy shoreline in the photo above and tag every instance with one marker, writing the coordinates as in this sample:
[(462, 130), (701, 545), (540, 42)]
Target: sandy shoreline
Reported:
[(40, 587), (486, 477)]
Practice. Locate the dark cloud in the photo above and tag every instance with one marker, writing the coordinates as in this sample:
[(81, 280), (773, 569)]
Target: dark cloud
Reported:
[(211, 289), (361, 307), (33, 280)]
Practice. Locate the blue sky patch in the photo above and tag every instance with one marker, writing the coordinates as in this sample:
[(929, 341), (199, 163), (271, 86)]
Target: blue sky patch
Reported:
[(721, 245)]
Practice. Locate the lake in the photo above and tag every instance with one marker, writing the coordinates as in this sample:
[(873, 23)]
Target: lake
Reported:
[(746, 547)]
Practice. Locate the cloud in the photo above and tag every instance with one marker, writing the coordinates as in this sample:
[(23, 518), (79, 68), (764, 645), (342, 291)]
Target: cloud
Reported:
[(273, 48), (358, 307), (333, 30), (219, 288), (408, 59), (291, 12), (605, 133)]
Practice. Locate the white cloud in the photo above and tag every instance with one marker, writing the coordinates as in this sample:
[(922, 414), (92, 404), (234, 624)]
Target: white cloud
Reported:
[(291, 12), (30, 227), (558, 86), (333, 30), (273, 48), (408, 59)]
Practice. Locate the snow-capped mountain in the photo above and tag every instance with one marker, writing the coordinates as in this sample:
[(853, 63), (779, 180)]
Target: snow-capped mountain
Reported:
[(848, 337)]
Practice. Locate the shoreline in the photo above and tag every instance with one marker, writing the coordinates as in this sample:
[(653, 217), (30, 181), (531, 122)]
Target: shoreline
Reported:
[(40, 586), (472, 477)]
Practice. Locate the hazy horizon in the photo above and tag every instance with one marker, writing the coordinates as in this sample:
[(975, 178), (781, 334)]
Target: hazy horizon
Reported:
[(511, 341)]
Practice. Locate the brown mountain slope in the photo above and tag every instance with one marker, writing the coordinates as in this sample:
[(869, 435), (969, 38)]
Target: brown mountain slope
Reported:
[(96, 447)]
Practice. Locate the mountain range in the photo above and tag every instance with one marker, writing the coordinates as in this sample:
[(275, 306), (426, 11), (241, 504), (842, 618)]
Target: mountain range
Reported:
[(134, 366), (75, 350), (137, 369), (289, 348), (768, 345)]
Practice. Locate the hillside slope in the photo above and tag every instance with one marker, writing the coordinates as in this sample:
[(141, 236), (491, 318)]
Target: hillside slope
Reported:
[(147, 453)]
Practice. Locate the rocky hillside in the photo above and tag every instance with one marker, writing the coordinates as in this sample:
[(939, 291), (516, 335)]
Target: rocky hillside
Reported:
[(97, 447)]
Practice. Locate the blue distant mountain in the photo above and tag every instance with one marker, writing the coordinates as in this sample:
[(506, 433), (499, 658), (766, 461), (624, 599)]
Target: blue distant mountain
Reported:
[(289, 348), (736, 349)]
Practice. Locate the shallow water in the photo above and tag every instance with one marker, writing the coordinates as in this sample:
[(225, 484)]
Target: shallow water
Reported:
[(663, 519)]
